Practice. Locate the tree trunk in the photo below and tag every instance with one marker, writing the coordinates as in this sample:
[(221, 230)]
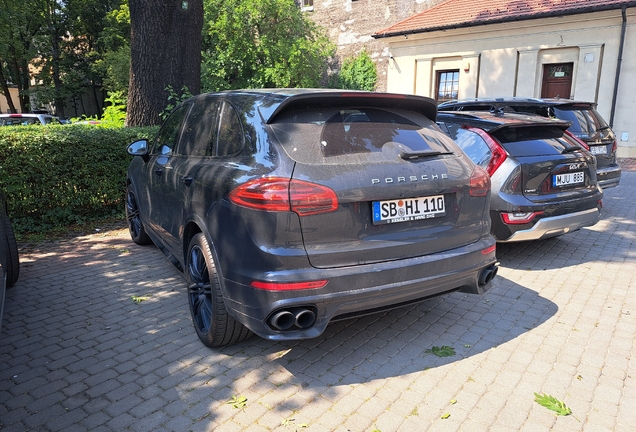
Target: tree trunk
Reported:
[(6, 92), (165, 44)]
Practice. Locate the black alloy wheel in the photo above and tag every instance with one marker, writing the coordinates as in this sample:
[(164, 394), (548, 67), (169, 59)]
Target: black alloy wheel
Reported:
[(135, 226), (213, 324), (12, 265)]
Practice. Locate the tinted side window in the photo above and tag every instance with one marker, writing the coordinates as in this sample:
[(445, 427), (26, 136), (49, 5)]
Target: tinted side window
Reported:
[(231, 136), (200, 129), (169, 133)]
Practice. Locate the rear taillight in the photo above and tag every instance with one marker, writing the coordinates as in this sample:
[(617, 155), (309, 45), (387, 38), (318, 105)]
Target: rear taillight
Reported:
[(309, 198), (519, 218), (498, 153), (489, 250), (578, 140), (277, 194), (614, 147), (479, 183), (288, 286)]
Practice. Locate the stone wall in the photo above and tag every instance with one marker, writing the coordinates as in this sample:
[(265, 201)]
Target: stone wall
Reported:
[(350, 24)]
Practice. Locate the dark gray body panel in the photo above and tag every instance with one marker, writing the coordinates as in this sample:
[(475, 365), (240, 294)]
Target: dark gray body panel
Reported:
[(369, 267)]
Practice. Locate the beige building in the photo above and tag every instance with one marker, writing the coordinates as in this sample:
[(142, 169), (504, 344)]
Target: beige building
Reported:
[(4, 105), (577, 49)]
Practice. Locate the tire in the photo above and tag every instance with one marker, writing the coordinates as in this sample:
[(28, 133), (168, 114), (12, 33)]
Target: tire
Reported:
[(12, 265), (135, 226), (213, 324)]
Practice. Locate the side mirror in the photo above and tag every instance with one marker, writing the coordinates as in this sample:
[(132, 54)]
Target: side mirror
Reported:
[(139, 148)]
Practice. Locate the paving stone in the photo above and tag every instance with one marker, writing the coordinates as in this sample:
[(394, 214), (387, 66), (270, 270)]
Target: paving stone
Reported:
[(560, 319)]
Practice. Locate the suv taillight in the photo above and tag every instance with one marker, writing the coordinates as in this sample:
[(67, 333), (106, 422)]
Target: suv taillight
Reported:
[(479, 183), (578, 140), (498, 153), (277, 194)]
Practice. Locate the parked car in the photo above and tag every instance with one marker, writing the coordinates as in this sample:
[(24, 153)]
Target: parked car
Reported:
[(9, 259), (586, 124), (288, 209), (543, 179), (27, 119)]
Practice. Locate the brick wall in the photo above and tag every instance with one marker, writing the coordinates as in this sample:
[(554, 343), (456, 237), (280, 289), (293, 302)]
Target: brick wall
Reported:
[(350, 24)]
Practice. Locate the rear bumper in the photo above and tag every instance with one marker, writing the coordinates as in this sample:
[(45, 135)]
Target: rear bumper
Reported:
[(556, 225), (608, 177), (360, 290)]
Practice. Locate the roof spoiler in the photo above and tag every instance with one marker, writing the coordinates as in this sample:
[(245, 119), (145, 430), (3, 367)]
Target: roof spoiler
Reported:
[(349, 99)]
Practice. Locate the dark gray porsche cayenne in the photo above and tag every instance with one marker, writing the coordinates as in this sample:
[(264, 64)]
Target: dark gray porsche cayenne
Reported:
[(287, 209)]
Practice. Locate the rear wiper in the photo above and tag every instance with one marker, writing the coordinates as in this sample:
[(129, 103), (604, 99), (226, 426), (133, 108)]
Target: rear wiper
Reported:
[(571, 149), (407, 155)]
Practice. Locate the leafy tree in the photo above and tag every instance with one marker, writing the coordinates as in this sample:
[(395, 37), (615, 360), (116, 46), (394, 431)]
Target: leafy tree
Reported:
[(357, 73), (165, 46), (20, 22), (56, 42), (261, 43), (68, 46), (113, 66)]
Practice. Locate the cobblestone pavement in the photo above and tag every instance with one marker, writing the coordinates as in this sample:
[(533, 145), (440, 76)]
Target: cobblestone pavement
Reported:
[(78, 354)]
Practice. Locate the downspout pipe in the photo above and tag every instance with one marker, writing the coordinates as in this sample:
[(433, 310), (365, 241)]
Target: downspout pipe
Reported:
[(618, 66)]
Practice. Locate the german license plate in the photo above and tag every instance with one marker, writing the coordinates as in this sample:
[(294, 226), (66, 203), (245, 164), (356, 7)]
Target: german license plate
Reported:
[(408, 209), (568, 179), (598, 150)]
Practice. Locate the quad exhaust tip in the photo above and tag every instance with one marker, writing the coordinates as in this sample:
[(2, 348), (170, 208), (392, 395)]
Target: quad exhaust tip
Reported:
[(293, 318)]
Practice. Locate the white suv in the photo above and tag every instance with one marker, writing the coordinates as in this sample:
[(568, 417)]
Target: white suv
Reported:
[(27, 119)]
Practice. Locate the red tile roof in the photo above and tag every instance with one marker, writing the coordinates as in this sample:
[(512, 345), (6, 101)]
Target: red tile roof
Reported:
[(467, 13)]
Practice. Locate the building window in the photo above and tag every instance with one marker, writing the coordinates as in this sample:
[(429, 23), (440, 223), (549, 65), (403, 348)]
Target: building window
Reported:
[(306, 5), (447, 85)]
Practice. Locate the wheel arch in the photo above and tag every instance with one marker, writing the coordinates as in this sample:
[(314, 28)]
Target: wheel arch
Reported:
[(190, 230)]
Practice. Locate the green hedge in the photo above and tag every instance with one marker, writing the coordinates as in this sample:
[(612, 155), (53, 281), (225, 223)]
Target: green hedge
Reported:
[(55, 176)]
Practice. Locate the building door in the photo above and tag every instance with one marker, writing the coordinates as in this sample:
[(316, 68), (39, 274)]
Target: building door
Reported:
[(557, 80)]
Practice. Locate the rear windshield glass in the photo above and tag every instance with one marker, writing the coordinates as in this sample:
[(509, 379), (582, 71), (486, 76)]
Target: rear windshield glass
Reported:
[(532, 141), (584, 121), (336, 136)]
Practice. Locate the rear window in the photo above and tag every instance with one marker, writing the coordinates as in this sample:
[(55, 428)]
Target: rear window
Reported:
[(532, 141), (336, 136), (517, 141), (584, 121)]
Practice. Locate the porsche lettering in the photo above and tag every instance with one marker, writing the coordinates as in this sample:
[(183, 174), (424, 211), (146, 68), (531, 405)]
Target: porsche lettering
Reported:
[(423, 177)]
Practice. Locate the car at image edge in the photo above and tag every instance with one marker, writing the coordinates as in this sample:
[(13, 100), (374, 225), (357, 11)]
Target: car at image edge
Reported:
[(543, 178), (9, 258), (288, 209), (28, 119), (586, 124)]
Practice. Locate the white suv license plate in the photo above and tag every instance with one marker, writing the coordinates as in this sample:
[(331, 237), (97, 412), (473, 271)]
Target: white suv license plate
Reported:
[(568, 179), (408, 209), (598, 150)]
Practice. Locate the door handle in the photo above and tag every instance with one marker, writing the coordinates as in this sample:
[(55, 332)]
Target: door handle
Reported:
[(187, 180)]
